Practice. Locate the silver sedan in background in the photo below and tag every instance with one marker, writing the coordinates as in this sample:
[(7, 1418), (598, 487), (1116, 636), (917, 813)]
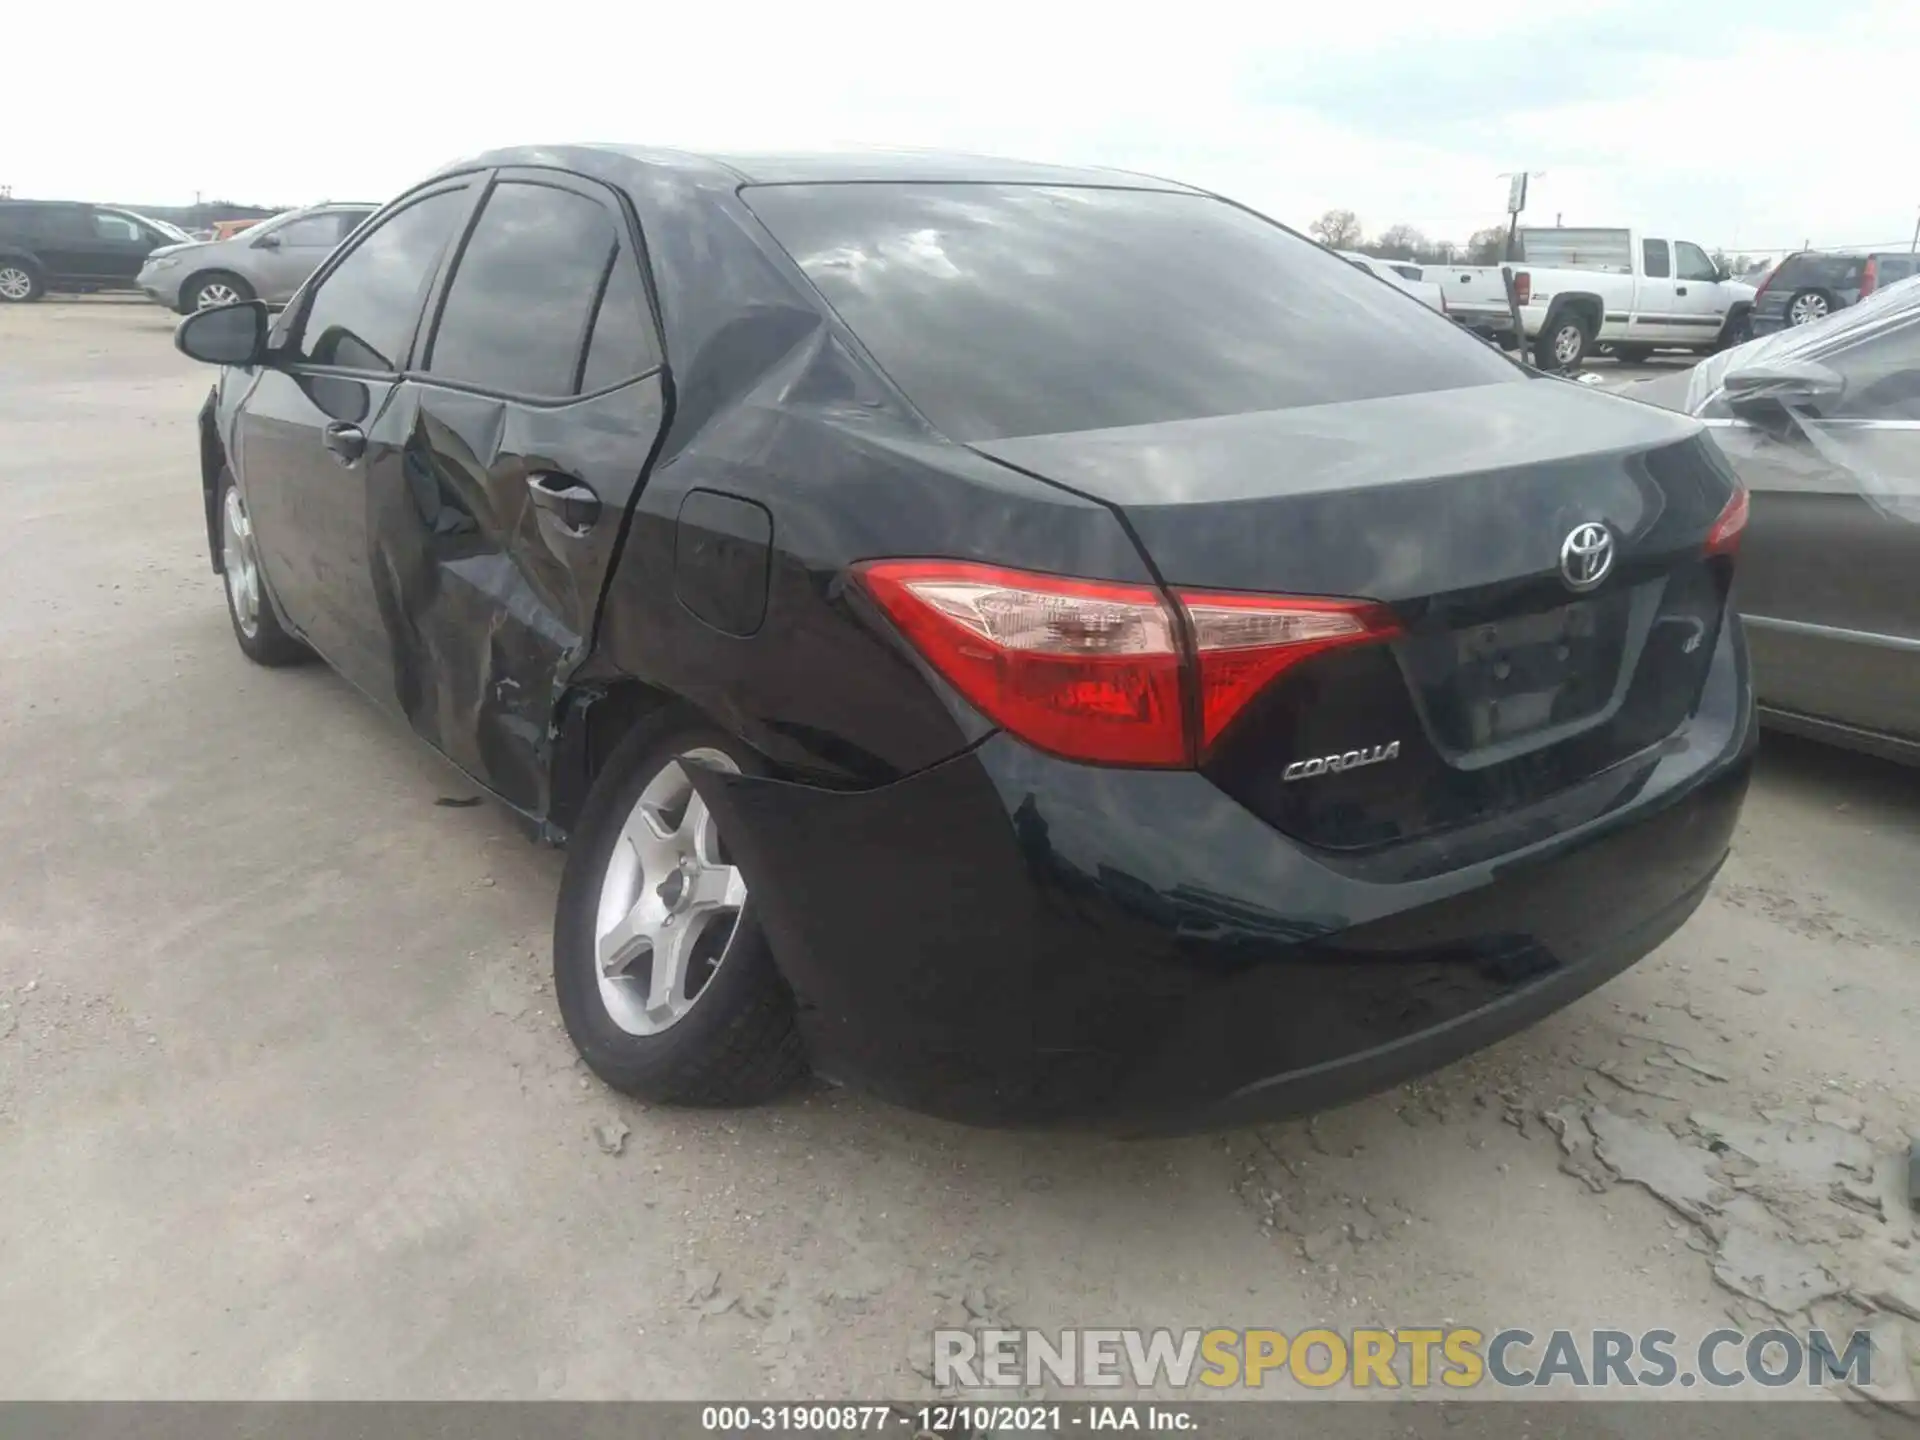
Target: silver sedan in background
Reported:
[(1822, 422), (268, 261)]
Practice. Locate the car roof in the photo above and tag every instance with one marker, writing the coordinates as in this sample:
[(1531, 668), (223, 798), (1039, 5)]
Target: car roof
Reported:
[(824, 167), (1854, 254)]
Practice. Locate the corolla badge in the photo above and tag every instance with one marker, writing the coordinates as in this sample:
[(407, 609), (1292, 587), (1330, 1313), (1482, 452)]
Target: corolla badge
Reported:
[(1334, 764), (1586, 556)]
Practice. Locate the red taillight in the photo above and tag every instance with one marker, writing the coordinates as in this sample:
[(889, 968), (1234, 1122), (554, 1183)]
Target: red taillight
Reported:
[(1523, 288), (1869, 277), (1098, 671), (1083, 668), (1724, 538), (1246, 641), (1766, 280)]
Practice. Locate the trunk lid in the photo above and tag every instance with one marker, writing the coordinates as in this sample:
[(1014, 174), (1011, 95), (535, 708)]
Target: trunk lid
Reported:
[(1509, 684)]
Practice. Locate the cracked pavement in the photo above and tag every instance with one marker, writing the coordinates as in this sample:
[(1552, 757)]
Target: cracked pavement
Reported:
[(285, 1110)]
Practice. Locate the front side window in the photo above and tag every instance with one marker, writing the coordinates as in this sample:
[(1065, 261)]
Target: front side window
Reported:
[(1005, 310), (1694, 263), (360, 316), (117, 228), (1655, 263)]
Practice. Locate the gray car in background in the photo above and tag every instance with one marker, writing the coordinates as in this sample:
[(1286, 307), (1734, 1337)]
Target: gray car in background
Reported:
[(267, 262), (1822, 422)]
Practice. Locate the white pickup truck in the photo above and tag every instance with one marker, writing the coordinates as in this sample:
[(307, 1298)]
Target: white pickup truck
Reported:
[(1623, 289)]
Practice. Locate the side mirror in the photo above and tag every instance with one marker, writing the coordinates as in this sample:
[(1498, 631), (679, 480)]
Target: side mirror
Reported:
[(267, 242), (225, 334), (1765, 388), (1722, 274)]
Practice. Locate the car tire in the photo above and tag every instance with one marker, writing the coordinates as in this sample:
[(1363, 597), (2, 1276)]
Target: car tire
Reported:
[(726, 1034), (255, 623), (1807, 306), (20, 282), (1563, 343), (1737, 331), (216, 287)]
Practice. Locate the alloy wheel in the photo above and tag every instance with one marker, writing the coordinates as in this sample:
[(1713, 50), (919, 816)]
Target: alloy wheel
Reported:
[(670, 900), (1808, 308), (215, 292), (1566, 344), (241, 564), (15, 283)]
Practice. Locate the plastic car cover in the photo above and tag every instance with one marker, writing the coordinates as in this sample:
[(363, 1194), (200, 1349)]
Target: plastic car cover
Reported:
[(1879, 470)]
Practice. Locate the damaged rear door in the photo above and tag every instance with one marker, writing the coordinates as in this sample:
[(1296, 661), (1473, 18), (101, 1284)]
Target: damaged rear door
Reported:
[(529, 426)]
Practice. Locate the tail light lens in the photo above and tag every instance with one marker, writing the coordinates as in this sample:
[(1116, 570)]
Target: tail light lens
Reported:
[(1523, 288), (1724, 538), (1244, 643), (1103, 672), (1766, 280), (1869, 277), (1082, 668)]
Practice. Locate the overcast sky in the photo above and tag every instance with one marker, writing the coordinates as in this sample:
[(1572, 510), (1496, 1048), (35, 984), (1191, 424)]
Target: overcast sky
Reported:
[(1753, 125)]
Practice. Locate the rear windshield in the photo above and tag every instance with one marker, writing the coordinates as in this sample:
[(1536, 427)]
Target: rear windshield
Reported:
[(1006, 310)]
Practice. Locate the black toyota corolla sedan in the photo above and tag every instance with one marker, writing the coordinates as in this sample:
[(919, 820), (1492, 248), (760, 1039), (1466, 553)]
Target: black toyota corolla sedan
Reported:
[(1041, 645)]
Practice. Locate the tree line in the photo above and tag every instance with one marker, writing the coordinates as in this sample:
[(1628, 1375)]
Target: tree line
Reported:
[(1342, 230)]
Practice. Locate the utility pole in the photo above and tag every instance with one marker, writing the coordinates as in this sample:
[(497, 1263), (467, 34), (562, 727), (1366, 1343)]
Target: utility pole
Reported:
[(1912, 249)]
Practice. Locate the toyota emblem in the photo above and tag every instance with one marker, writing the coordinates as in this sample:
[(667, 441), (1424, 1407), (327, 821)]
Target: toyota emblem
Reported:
[(1586, 556)]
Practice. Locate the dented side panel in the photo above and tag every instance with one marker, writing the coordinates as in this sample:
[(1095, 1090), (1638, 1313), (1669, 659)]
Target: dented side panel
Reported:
[(487, 601)]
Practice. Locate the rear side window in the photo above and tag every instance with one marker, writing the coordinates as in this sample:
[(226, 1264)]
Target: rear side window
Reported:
[(1889, 268), (621, 346), (529, 283), (363, 311), (1838, 271), (1657, 263), (1026, 310), (59, 222)]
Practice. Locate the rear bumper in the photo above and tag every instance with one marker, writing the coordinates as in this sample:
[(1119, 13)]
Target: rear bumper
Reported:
[(1482, 322), (1008, 938)]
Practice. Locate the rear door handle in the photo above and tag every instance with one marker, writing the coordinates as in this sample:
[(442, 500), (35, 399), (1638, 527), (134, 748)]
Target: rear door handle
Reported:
[(347, 442), (575, 506), (1679, 289)]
